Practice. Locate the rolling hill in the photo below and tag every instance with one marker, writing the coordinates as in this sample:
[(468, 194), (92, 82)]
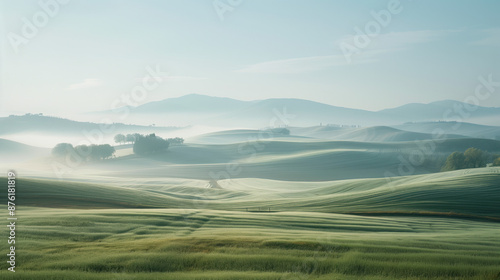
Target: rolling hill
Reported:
[(463, 193), (462, 128), (14, 152), (366, 134), (59, 126), (289, 159)]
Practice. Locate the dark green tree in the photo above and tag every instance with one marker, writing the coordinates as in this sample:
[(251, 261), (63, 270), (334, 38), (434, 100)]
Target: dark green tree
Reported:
[(99, 152), (130, 138), (149, 144), (62, 149), (474, 158), (120, 138), (454, 161)]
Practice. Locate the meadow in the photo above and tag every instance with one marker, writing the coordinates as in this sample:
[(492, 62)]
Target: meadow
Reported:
[(434, 226)]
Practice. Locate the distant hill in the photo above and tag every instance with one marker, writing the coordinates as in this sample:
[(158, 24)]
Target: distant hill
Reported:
[(446, 110), (44, 131), (366, 134), (11, 151), (192, 103), (467, 129), (44, 124), (218, 111), (240, 135)]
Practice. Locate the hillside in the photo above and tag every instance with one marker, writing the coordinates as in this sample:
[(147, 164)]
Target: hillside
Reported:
[(241, 135), (59, 126), (462, 128), (38, 130), (366, 134), (13, 152), (462, 194)]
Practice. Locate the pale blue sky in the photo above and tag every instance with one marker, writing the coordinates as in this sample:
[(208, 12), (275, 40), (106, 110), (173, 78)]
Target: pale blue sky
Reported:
[(92, 52)]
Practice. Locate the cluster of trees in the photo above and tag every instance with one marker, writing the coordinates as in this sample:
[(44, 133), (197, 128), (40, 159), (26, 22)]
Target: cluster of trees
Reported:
[(91, 152), (149, 144), (131, 138), (471, 158), (175, 141)]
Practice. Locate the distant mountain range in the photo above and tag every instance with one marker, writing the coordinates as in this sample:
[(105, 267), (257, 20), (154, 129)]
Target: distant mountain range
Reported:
[(195, 109)]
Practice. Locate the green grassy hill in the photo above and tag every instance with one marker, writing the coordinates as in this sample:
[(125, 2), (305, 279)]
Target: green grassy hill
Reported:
[(472, 192)]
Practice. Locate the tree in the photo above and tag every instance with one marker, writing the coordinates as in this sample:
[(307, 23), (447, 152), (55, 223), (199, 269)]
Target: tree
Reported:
[(120, 138), (454, 161), (130, 138), (474, 158), (102, 151), (149, 144), (496, 162), (84, 151), (62, 149)]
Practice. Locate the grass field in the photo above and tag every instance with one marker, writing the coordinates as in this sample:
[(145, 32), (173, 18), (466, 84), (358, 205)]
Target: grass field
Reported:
[(436, 226)]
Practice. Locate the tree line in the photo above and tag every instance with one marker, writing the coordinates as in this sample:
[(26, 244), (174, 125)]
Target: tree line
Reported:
[(131, 138), (149, 143), (471, 158), (143, 145), (87, 152)]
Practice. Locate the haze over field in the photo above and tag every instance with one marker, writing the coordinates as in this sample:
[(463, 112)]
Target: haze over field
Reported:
[(250, 140)]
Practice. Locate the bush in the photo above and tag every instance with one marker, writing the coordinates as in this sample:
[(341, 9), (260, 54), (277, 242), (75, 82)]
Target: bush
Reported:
[(454, 162), (149, 144), (496, 162)]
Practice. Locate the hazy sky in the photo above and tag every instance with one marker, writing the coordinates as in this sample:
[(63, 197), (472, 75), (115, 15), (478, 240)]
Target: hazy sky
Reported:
[(84, 55)]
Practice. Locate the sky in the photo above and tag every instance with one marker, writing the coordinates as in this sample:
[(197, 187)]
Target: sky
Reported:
[(62, 57)]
